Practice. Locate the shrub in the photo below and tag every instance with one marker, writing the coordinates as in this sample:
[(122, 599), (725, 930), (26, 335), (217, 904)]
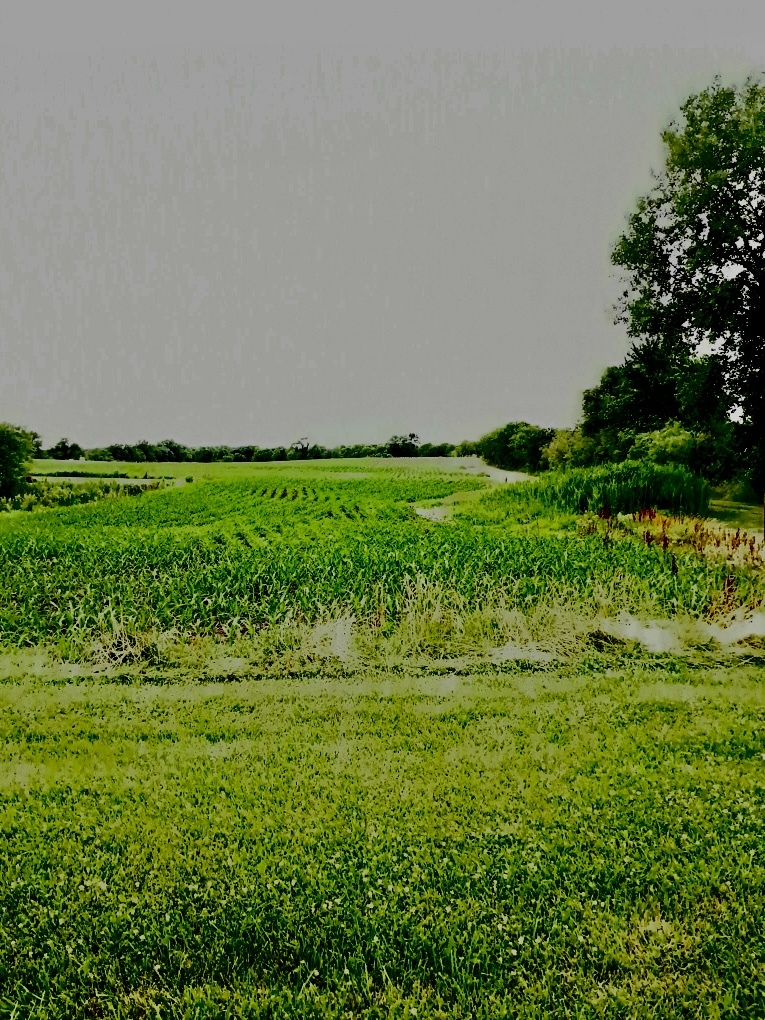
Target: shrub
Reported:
[(436, 450), (467, 448), (569, 448), (42, 495), (64, 450), (671, 444), (516, 446), (16, 450)]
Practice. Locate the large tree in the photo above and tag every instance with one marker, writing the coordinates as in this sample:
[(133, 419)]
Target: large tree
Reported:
[(694, 251)]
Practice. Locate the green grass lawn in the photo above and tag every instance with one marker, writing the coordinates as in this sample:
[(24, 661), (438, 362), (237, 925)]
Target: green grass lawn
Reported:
[(584, 842)]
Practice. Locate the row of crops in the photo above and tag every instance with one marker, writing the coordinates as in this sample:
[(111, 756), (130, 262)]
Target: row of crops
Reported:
[(231, 556)]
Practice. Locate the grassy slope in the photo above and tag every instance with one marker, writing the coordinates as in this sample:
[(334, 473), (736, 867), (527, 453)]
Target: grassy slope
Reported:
[(530, 844)]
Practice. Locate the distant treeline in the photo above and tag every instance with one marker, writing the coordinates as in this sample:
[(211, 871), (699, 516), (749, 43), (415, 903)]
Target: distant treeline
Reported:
[(169, 450), (660, 406)]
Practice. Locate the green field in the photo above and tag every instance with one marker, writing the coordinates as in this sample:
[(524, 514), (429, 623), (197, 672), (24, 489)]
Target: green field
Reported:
[(275, 745), (254, 553)]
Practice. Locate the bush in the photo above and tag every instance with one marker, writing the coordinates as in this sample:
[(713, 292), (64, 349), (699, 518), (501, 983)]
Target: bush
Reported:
[(43, 495), (711, 454), (436, 450), (738, 490), (672, 444), (569, 448), (467, 448), (16, 451), (516, 446)]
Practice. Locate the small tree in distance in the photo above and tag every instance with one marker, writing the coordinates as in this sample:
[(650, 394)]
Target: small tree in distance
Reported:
[(64, 450), (403, 446), (516, 446), (299, 450), (16, 449), (568, 448)]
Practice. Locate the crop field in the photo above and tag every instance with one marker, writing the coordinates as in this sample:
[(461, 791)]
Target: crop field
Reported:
[(230, 557), (275, 744)]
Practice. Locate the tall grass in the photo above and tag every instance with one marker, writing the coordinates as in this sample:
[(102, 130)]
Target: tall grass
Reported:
[(621, 488)]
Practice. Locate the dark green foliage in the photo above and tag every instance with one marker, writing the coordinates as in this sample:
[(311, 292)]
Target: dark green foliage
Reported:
[(16, 451), (467, 448), (402, 446), (653, 388), (64, 450), (358, 450), (95, 453), (569, 448), (638, 396), (125, 453), (169, 451), (693, 251), (435, 450), (516, 446), (300, 449)]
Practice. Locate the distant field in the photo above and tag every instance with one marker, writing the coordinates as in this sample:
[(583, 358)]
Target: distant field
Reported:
[(275, 745), (230, 470)]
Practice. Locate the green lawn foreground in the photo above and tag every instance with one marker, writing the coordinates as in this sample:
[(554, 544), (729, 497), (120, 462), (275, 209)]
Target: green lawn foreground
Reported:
[(584, 841)]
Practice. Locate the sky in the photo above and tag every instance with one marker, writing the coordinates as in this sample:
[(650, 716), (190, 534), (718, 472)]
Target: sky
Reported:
[(253, 223)]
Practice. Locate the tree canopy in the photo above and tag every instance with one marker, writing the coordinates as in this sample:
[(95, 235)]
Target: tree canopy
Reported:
[(516, 446), (693, 254), (63, 450), (403, 446), (16, 449), (654, 387)]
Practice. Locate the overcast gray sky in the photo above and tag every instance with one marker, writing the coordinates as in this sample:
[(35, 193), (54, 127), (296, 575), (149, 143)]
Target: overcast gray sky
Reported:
[(258, 224)]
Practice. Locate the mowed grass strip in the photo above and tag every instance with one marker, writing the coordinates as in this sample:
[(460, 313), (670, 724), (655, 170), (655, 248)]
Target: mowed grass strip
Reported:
[(587, 844)]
